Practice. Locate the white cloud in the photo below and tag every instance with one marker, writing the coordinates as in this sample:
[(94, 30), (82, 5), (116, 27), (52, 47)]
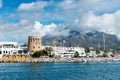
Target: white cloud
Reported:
[(43, 29), (108, 23), (1, 36), (1, 3), (68, 4), (66, 10), (20, 31), (81, 15), (15, 31), (51, 29), (34, 6), (24, 22), (97, 6), (100, 15)]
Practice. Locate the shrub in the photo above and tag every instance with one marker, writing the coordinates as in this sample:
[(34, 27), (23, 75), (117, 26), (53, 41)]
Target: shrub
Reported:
[(40, 53), (105, 55), (97, 51), (76, 54), (36, 54)]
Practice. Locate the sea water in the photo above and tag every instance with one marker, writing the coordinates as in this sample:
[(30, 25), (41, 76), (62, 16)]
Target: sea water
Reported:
[(60, 71)]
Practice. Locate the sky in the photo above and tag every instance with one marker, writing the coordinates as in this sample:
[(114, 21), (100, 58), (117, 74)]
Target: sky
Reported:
[(22, 18)]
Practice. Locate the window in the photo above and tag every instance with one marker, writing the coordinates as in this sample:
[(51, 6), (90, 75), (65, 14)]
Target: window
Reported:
[(14, 53), (0, 52), (20, 51), (3, 51), (82, 53), (31, 40)]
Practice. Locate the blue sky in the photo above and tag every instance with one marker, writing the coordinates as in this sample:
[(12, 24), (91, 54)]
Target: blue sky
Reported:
[(10, 7), (21, 18)]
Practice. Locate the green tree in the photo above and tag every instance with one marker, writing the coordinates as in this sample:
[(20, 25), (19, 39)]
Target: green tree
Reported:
[(40, 53), (105, 55), (87, 50), (97, 51), (45, 52), (36, 54), (105, 51), (76, 54), (49, 50)]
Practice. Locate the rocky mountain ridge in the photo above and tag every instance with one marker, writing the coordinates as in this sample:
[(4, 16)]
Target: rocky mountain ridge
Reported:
[(90, 39)]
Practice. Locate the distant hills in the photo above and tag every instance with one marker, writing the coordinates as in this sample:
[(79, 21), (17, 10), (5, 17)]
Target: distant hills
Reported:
[(90, 39)]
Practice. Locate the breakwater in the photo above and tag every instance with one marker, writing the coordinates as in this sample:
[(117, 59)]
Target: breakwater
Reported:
[(72, 59), (47, 59)]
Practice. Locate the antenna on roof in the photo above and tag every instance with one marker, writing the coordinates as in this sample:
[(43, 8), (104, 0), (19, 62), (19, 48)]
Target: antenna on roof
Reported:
[(104, 46)]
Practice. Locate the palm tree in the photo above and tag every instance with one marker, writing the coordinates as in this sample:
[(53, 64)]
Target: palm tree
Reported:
[(97, 52), (49, 49), (87, 50)]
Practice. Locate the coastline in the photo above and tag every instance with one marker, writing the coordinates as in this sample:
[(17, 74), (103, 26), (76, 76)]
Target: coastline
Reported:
[(34, 60), (62, 60)]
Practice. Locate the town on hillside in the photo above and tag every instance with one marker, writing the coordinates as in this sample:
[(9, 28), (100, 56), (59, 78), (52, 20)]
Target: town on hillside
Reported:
[(34, 51)]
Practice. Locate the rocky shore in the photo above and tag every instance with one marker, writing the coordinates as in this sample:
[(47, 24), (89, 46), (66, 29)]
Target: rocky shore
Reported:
[(72, 60), (47, 59)]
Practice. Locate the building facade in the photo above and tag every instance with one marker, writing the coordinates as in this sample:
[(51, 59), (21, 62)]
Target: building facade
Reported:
[(34, 43), (9, 48), (67, 52)]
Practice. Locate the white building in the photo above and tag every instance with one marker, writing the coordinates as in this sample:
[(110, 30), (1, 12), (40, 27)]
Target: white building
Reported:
[(25, 49), (9, 48), (92, 53), (67, 52)]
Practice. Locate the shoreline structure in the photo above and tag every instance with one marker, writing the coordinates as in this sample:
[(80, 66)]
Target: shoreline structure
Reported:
[(74, 60), (71, 60)]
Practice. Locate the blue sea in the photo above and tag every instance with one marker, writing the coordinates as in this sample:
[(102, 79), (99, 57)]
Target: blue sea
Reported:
[(60, 71)]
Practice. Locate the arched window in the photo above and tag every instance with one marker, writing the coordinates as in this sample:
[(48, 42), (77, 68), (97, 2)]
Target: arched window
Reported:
[(31, 40), (38, 39)]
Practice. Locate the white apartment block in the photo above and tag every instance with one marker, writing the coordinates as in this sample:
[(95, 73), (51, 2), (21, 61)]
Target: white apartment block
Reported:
[(67, 52), (9, 48)]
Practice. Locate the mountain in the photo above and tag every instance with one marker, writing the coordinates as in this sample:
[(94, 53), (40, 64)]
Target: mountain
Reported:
[(90, 39)]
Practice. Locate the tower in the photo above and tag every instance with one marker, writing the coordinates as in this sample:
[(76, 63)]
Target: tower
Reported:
[(34, 43)]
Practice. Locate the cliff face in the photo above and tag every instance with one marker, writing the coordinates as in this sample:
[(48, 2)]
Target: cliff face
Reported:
[(90, 39)]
